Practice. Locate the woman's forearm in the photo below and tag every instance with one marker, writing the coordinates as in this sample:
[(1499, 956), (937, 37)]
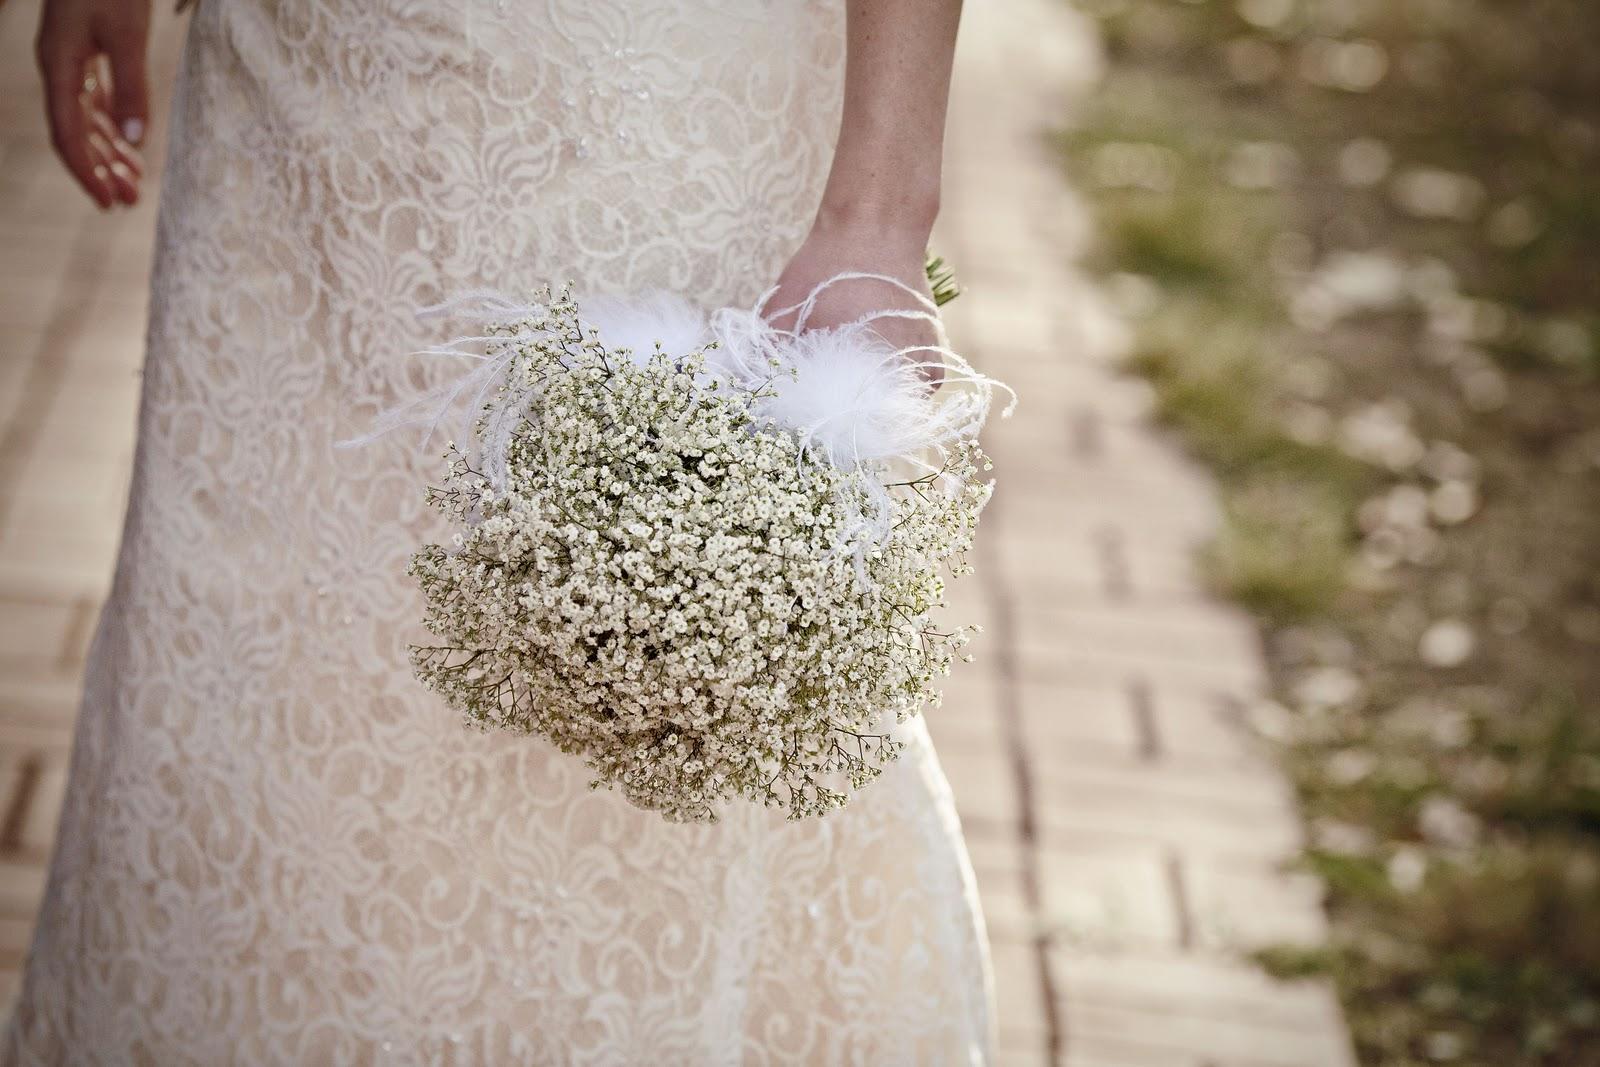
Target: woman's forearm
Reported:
[(886, 165), (882, 194)]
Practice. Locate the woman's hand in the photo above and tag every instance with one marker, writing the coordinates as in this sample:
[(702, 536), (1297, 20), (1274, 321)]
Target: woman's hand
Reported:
[(840, 247), (91, 54)]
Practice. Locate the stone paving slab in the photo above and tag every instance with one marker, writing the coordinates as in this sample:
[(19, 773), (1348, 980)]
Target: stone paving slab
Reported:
[(1143, 850), (1127, 836)]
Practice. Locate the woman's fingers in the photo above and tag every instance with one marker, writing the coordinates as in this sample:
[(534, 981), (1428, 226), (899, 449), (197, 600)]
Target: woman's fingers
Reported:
[(123, 181), (122, 160), (63, 64), (124, 45), (130, 156)]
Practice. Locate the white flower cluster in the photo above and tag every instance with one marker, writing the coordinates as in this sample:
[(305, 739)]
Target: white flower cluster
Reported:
[(673, 589)]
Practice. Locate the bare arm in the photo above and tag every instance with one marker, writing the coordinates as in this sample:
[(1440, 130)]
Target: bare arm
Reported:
[(882, 193), (891, 134)]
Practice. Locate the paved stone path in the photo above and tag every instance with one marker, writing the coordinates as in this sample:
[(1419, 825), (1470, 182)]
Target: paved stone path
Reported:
[(1128, 840)]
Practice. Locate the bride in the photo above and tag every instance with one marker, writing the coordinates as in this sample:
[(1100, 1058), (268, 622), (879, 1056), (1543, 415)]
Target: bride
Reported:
[(277, 847)]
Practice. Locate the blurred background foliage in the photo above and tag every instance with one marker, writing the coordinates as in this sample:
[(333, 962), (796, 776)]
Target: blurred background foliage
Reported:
[(1359, 241)]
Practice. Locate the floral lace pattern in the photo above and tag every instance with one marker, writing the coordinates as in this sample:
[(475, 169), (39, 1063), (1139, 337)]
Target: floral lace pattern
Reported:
[(277, 847)]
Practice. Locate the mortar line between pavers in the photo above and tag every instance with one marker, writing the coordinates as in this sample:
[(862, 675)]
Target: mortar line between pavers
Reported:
[(14, 815), (1003, 613)]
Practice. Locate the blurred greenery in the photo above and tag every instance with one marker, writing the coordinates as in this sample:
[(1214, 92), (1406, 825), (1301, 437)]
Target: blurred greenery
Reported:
[(1359, 241)]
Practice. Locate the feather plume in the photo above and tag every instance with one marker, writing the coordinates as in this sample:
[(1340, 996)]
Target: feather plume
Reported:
[(847, 395)]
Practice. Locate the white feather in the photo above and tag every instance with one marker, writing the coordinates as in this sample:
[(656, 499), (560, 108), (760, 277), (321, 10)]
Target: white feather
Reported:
[(845, 393), (638, 322)]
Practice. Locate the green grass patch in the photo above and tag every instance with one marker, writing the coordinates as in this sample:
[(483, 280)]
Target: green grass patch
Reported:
[(1360, 245)]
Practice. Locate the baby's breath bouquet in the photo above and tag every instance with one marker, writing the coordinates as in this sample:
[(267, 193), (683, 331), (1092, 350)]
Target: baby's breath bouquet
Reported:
[(700, 553)]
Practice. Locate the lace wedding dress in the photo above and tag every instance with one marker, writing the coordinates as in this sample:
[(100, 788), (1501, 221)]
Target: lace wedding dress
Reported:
[(277, 847)]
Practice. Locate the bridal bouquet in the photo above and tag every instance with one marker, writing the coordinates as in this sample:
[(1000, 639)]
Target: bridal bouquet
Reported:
[(698, 552)]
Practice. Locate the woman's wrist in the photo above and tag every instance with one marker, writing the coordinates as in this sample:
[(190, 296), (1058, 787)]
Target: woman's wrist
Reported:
[(883, 178), (877, 201)]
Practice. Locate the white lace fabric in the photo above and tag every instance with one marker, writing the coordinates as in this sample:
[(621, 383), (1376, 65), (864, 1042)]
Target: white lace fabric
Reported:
[(277, 847)]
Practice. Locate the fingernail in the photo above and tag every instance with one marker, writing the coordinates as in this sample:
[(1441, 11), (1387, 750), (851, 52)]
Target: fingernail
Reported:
[(133, 130)]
